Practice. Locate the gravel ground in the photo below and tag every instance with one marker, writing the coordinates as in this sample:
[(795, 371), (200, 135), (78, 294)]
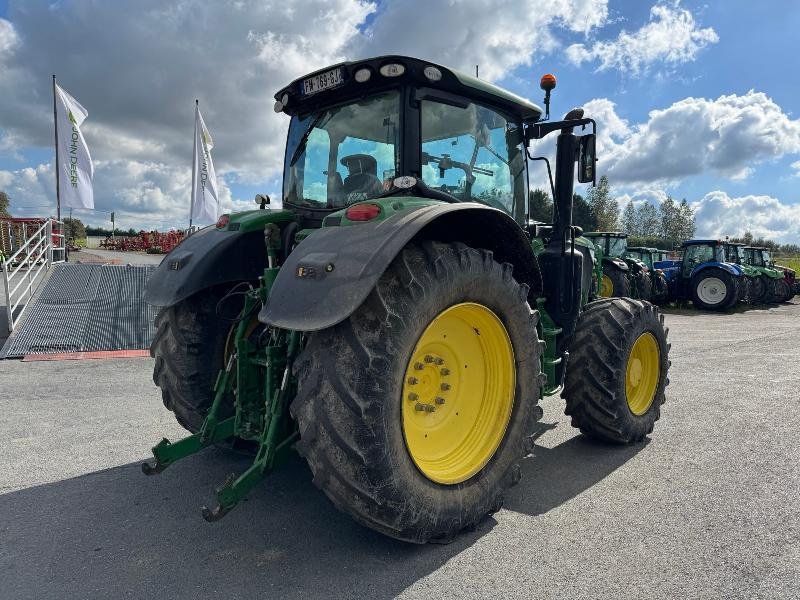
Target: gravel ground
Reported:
[(708, 508)]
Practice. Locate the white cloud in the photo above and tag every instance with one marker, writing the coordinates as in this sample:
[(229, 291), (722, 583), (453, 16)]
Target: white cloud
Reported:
[(796, 166), (729, 136), (672, 36), (139, 84), (498, 35), (719, 214)]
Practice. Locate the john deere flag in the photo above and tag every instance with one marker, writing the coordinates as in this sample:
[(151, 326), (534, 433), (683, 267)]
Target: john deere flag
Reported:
[(75, 162), (205, 199)]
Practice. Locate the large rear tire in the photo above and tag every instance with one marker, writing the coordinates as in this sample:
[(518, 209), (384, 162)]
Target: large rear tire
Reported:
[(660, 287), (644, 287), (374, 387), (618, 370), (714, 289), (614, 283), (757, 290), (189, 348)]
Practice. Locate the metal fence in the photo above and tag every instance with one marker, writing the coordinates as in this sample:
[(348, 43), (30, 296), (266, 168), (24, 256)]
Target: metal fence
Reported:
[(24, 270)]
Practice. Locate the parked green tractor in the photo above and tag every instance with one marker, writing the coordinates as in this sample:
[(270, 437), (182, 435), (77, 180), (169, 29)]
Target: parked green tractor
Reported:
[(754, 284), (659, 284), (776, 286), (622, 275), (399, 318)]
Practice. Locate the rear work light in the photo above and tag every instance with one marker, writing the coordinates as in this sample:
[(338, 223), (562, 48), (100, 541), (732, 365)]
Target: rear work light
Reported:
[(223, 221), (362, 212)]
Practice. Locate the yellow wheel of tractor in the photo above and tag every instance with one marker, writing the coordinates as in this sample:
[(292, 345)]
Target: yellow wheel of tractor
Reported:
[(614, 282), (619, 360), (415, 411), (606, 286), (458, 393)]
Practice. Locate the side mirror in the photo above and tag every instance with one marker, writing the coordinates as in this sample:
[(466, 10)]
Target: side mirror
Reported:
[(586, 158), (262, 200)]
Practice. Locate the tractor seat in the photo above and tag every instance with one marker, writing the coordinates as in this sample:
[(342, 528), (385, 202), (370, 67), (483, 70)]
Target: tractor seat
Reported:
[(362, 182)]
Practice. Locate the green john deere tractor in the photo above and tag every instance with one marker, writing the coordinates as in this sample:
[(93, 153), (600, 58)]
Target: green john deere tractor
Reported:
[(776, 286), (622, 275), (399, 318), (659, 284)]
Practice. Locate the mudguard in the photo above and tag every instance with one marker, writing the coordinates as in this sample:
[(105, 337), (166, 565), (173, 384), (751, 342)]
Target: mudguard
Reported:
[(720, 265), (206, 258), (616, 262), (330, 273)]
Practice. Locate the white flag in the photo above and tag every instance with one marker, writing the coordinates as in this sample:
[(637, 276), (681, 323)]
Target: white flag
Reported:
[(205, 199), (75, 163)]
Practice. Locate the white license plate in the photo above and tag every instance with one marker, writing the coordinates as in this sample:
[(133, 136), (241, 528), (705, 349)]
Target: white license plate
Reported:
[(323, 81)]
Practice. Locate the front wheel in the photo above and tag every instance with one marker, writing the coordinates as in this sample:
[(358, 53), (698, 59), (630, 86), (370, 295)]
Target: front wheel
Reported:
[(714, 289), (617, 372), (415, 411)]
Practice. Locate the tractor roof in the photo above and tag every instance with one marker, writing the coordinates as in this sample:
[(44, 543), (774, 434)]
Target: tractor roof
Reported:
[(413, 71), (645, 249), (735, 243), (700, 242), (618, 234), (756, 248)]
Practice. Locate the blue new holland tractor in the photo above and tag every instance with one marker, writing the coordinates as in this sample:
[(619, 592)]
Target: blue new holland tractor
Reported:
[(707, 279)]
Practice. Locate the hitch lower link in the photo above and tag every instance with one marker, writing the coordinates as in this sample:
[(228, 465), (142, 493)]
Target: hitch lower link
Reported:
[(277, 434)]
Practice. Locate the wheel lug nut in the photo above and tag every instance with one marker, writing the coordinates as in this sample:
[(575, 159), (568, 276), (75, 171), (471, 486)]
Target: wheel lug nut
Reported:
[(413, 381), (439, 400), (445, 371), (419, 366), (413, 397), (428, 358), (429, 408), (445, 387), (439, 360)]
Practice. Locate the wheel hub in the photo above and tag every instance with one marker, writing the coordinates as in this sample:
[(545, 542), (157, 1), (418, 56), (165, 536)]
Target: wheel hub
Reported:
[(711, 290), (642, 373), (458, 393)]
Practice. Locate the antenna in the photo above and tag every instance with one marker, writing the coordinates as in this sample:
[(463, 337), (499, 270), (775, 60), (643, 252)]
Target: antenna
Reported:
[(476, 71)]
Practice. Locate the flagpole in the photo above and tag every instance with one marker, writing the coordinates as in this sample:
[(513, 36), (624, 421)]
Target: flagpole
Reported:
[(58, 168), (194, 161)]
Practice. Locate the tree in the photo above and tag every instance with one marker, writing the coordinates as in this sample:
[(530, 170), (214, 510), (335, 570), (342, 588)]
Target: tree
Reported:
[(4, 202), (74, 229), (686, 221), (630, 223), (582, 214), (604, 206), (648, 220), (670, 226), (541, 206)]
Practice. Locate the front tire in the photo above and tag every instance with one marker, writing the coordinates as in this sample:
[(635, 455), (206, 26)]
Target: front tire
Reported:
[(644, 287), (363, 431), (714, 289), (617, 372)]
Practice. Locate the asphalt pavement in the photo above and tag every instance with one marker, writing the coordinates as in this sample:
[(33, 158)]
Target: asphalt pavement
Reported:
[(707, 508)]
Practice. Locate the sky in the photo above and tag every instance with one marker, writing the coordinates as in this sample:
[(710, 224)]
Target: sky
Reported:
[(693, 100)]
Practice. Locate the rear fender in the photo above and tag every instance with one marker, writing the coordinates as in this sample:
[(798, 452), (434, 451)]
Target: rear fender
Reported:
[(213, 256), (617, 263), (719, 265), (330, 273)]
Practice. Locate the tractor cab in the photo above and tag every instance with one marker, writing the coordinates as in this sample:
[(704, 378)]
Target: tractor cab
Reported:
[(757, 257), (641, 254), (698, 252), (357, 128), (611, 244)]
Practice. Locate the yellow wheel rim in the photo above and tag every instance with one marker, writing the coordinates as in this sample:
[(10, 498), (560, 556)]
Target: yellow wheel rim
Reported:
[(458, 393), (642, 373), (606, 287)]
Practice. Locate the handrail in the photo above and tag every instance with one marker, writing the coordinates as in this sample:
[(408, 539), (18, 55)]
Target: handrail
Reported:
[(38, 246)]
